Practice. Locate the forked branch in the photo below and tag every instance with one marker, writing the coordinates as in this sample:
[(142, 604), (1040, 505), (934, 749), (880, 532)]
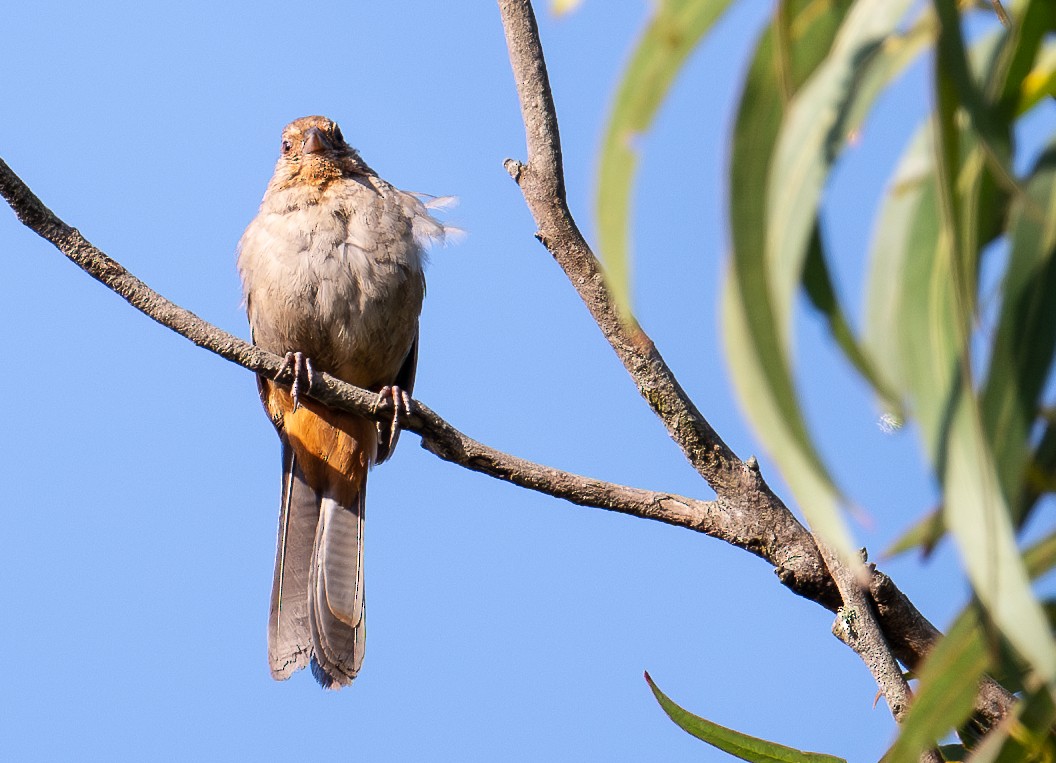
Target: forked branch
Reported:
[(770, 529)]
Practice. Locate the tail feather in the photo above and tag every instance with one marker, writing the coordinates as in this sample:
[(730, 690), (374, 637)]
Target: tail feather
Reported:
[(289, 636), (335, 593), (341, 559)]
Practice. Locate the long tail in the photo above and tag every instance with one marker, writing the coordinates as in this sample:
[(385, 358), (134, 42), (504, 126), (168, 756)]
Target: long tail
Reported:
[(317, 599)]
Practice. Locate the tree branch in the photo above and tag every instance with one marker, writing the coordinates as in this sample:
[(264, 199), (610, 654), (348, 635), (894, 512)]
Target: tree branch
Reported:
[(772, 531), (542, 182), (856, 625), (438, 436)]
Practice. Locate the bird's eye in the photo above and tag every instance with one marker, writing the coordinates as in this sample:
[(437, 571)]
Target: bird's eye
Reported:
[(286, 146)]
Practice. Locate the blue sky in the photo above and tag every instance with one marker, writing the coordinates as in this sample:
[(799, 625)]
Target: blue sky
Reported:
[(141, 477)]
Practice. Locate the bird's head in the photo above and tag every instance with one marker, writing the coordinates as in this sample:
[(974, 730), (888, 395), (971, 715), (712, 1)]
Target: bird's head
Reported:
[(313, 152)]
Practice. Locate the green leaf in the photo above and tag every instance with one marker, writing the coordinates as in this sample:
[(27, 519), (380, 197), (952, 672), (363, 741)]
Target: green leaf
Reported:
[(922, 282), (979, 519), (975, 508), (785, 57), (949, 680), (803, 471), (674, 31), (1040, 83), (735, 743), (843, 74), (900, 229), (1025, 335), (1025, 339), (959, 87), (1041, 557), (1008, 85), (924, 534), (813, 133), (869, 79), (907, 233)]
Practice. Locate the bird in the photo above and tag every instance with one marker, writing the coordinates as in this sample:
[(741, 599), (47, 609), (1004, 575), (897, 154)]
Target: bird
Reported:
[(332, 271)]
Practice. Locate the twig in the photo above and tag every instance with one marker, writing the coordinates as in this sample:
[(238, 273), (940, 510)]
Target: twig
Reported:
[(1002, 14), (857, 626)]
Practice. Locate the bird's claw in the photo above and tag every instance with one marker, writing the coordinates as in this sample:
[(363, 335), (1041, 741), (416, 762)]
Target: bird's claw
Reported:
[(301, 367), (401, 407)]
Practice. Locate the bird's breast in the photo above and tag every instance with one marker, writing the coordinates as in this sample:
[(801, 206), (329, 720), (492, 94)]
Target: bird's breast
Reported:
[(339, 280)]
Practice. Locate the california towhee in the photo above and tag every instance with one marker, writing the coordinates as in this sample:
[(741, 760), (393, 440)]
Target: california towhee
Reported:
[(332, 271)]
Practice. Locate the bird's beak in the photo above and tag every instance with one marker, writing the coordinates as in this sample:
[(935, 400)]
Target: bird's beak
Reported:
[(315, 142)]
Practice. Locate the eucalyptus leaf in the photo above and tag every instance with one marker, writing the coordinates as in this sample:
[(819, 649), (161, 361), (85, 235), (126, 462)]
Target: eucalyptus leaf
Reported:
[(786, 56), (976, 510), (672, 33), (866, 53), (1025, 338), (734, 742)]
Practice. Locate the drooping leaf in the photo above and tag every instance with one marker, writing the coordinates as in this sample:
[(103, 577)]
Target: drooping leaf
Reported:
[(673, 32), (785, 57), (975, 508), (979, 519), (1023, 343), (1016, 73), (903, 256), (905, 246), (768, 269), (1025, 338), (869, 79), (900, 228), (802, 470), (958, 86), (923, 284), (735, 743), (814, 131)]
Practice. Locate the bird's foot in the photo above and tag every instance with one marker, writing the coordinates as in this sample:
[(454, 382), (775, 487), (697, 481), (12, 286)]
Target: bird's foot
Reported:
[(301, 367), (401, 407)]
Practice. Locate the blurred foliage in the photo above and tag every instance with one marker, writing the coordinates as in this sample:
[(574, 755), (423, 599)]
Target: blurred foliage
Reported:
[(967, 359)]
